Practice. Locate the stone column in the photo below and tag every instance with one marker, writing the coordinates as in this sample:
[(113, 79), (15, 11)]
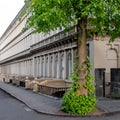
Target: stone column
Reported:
[(40, 62), (39, 66), (53, 67), (72, 53), (21, 67), (44, 67), (48, 66), (65, 64), (28, 67), (59, 66), (36, 66), (33, 67), (24, 67)]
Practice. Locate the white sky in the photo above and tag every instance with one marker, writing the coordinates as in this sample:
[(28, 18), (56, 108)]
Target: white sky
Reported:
[(8, 11)]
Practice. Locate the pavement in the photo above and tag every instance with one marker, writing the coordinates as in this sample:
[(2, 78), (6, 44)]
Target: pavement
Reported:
[(50, 105)]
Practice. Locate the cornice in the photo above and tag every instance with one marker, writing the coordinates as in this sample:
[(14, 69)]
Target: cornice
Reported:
[(14, 20)]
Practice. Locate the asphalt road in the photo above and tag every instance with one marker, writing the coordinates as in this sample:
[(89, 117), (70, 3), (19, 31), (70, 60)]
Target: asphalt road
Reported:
[(12, 109)]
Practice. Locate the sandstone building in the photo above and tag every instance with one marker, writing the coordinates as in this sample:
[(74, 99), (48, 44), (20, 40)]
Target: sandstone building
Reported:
[(52, 56)]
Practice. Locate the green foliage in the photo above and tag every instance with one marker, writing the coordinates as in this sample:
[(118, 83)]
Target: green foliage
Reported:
[(75, 104), (47, 15), (89, 79), (74, 76), (89, 84), (80, 104)]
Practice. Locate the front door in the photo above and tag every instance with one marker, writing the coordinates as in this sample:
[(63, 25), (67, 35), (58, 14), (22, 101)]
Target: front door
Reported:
[(100, 82)]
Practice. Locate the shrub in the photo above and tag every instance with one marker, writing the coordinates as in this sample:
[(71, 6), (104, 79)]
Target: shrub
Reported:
[(74, 103)]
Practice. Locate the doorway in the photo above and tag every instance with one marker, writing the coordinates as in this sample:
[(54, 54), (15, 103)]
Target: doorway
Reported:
[(100, 82)]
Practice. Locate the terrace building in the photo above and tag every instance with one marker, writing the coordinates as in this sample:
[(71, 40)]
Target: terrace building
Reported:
[(52, 56)]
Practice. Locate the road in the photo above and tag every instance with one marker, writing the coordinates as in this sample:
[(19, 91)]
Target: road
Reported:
[(12, 109)]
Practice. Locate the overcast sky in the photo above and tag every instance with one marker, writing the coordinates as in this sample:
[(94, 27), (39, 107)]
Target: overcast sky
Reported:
[(8, 11)]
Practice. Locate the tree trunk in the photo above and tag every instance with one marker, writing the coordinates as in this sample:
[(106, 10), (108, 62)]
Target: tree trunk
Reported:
[(82, 55)]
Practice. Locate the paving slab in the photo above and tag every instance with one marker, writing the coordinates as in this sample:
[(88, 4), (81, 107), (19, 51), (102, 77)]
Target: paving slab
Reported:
[(51, 105)]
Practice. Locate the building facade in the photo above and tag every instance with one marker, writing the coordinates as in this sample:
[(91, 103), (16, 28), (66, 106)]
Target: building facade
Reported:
[(37, 55), (52, 55)]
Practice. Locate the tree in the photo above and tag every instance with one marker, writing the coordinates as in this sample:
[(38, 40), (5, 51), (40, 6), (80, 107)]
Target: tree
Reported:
[(99, 17)]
